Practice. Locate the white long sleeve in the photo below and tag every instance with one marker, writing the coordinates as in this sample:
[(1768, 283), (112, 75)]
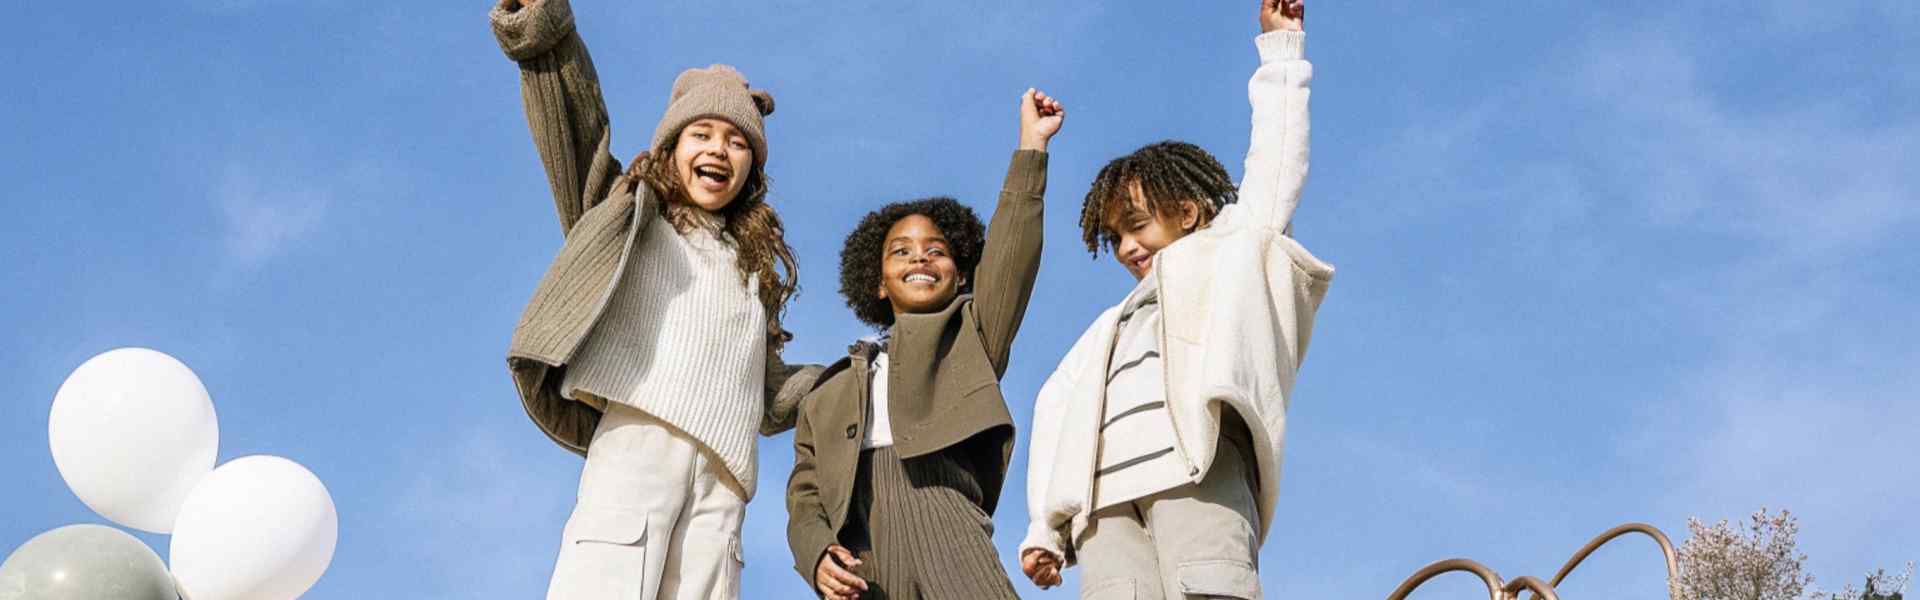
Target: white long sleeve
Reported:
[(1276, 167)]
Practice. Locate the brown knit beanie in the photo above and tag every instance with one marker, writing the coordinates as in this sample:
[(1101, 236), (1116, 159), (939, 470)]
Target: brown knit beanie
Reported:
[(717, 91)]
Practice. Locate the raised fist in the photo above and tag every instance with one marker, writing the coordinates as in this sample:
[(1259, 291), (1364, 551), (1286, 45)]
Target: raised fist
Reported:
[(1040, 118), (1282, 15)]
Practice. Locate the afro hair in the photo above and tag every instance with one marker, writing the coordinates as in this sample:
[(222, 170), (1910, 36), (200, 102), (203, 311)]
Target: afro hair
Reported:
[(861, 256)]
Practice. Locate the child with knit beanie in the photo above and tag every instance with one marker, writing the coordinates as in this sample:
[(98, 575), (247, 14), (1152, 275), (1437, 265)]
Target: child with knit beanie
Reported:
[(651, 345), (901, 448), (1157, 441)]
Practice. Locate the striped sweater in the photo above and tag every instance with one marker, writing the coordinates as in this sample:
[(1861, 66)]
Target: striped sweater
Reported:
[(1138, 454)]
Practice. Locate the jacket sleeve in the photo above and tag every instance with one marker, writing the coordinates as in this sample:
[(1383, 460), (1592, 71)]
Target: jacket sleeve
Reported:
[(1276, 167), (1048, 412), (1003, 281), (808, 532), (785, 386), (561, 93)]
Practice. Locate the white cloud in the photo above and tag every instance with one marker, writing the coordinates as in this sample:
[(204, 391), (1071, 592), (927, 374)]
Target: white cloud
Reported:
[(1804, 396), (262, 218), (479, 489), (235, 6), (1447, 481), (1789, 380), (1813, 178), (1808, 17)]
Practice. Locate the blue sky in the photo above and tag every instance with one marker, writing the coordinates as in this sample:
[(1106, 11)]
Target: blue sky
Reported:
[(1597, 262)]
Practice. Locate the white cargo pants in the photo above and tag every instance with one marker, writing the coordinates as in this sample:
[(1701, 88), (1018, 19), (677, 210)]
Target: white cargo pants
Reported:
[(657, 518)]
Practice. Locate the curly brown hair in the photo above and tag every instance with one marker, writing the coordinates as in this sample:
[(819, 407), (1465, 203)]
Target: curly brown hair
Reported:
[(1169, 173), (861, 256), (748, 223)]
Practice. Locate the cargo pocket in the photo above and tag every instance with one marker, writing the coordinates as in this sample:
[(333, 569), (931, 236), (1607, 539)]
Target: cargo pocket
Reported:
[(1112, 589), (1219, 579), (604, 555), (711, 564), (732, 564)]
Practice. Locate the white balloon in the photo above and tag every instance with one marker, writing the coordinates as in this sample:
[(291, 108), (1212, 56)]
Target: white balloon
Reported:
[(132, 431), (257, 528)]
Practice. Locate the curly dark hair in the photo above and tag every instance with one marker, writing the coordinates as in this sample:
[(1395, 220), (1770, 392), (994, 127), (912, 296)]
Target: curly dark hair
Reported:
[(1169, 173), (861, 256)]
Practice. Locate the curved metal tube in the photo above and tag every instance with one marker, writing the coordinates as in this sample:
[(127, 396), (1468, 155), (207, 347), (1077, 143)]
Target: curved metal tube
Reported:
[(1496, 590), (1666, 549), (1446, 566), (1530, 583)]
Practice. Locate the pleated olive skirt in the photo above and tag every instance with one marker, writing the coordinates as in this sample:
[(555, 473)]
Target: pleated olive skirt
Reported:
[(919, 531)]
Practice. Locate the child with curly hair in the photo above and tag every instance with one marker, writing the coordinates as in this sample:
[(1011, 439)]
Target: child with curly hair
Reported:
[(1156, 442), (652, 344), (901, 448)]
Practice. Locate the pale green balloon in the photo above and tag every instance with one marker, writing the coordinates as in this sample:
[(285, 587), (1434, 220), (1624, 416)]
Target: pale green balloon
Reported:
[(85, 562)]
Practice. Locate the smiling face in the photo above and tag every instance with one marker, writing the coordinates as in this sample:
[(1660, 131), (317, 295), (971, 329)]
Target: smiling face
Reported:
[(917, 272), (712, 159), (1140, 234)]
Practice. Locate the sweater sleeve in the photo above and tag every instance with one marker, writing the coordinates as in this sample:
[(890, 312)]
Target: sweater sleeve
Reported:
[(786, 385), (1276, 167), (808, 532), (1003, 281), (561, 94)]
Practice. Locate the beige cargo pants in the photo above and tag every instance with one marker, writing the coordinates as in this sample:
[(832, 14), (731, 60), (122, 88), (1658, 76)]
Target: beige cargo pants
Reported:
[(1190, 542), (657, 518)]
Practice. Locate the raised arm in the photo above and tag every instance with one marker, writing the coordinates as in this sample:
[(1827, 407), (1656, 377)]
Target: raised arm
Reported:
[(1276, 167), (1003, 282), (561, 92)]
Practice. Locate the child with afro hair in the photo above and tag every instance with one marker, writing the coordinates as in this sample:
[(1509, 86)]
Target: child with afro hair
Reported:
[(900, 448), (1156, 443), (861, 256)]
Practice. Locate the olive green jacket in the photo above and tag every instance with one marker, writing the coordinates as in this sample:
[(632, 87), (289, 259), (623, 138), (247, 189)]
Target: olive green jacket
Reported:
[(943, 386), (568, 119)]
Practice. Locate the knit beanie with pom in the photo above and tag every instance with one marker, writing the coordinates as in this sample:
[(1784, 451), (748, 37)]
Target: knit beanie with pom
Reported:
[(717, 91)]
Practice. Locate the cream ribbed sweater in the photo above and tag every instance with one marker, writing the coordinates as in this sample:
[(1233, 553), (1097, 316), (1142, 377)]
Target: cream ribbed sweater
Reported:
[(683, 340)]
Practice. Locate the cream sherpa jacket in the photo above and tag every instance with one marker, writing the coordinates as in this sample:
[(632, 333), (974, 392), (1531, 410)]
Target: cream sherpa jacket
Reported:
[(1239, 298)]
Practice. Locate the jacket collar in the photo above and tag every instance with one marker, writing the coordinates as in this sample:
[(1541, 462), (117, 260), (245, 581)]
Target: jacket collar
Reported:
[(868, 346)]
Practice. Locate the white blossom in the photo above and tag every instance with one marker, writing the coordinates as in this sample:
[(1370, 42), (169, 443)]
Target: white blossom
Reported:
[(1760, 561), (1755, 562)]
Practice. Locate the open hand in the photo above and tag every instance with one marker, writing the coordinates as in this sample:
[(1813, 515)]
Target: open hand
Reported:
[(1040, 118), (1041, 566), (1282, 15), (833, 579)]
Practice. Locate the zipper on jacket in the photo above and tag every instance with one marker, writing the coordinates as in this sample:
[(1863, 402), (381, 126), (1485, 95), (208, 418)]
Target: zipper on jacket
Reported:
[(1166, 382)]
